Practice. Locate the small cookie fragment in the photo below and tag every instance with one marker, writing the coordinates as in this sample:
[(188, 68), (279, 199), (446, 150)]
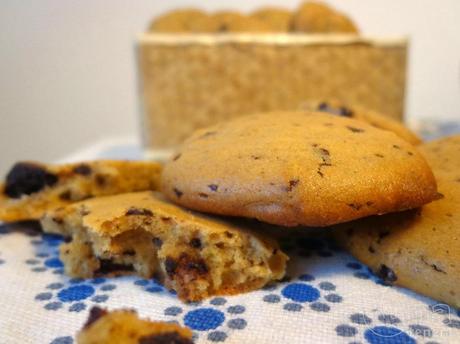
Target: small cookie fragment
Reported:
[(298, 168), (316, 17), (417, 249), (142, 233), (371, 117), (32, 188), (125, 327)]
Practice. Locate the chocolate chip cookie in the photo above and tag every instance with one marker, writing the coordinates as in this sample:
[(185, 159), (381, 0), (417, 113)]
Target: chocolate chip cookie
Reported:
[(418, 249), (297, 168), (31, 188), (125, 327), (316, 17), (142, 233)]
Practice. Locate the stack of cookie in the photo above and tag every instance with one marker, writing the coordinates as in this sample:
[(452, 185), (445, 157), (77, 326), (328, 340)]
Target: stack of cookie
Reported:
[(310, 17), (255, 176)]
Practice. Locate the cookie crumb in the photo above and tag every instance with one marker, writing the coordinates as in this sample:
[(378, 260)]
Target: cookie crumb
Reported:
[(386, 274)]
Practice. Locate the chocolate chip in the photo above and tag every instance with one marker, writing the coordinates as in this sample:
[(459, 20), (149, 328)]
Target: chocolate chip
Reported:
[(203, 195), (26, 178), (129, 252), (164, 338), (255, 157), (355, 206), (138, 211), (58, 220), (107, 266), (354, 129), (199, 266), (292, 184), (228, 235), (386, 274), (213, 187), (100, 180), (410, 153), (379, 155), (157, 242), (166, 219), (340, 111), (170, 266), (95, 314), (66, 195), (83, 169), (396, 147), (371, 249), (196, 243), (177, 156), (178, 192)]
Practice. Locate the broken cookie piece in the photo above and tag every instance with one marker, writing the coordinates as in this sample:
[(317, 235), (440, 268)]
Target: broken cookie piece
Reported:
[(417, 249), (125, 327), (32, 188), (142, 233)]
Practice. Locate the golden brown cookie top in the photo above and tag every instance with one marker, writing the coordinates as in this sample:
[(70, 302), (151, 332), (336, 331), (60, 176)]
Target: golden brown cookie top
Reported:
[(374, 118), (279, 19), (182, 20), (297, 168), (317, 17)]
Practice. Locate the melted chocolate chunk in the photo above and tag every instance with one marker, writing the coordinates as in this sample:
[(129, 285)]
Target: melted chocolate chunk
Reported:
[(95, 314), (83, 169), (196, 243), (26, 178), (139, 211), (164, 338), (107, 266), (340, 111), (292, 184), (198, 266), (386, 274), (65, 195), (170, 266), (178, 192), (157, 242), (213, 187)]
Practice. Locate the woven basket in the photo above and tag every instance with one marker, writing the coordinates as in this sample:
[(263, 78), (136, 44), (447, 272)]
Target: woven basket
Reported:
[(191, 81)]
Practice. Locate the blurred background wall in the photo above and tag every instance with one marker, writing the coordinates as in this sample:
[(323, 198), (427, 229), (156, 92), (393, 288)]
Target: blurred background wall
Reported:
[(68, 73)]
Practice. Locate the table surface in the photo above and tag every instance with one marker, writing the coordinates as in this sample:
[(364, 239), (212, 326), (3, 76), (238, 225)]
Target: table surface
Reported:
[(328, 297)]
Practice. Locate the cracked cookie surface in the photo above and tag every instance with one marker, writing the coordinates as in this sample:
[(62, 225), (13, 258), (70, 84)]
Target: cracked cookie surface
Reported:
[(125, 327), (418, 249), (193, 254), (297, 168), (32, 188)]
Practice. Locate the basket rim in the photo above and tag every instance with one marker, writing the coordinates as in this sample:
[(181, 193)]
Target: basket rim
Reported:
[(270, 38)]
